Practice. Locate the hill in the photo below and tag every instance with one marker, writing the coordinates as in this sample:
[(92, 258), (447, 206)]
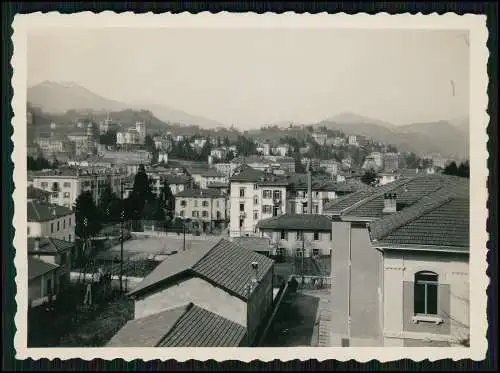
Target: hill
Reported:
[(420, 138), (58, 98)]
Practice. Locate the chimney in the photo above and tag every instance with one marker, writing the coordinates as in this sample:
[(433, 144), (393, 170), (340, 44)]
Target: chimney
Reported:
[(37, 244), (54, 212), (389, 203), (255, 267), (309, 188)]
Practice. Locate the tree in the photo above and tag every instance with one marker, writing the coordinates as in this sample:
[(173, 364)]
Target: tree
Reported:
[(463, 169), (451, 169), (141, 194), (167, 198), (370, 178), (106, 200), (87, 216), (108, 138)]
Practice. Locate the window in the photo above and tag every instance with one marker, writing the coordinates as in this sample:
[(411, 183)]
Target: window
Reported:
[(299, 252), (58, 226), (255, 200), (242, 207), (315, 252), (64, 223), (204, 203), (241, 223), (28, 231), (315, 208), (55, 194), (331, 236), (66, 195), (426, 293), (69, 222), (276, 210), (242, 192), (44, 184), (267, 194), (255, 215), (204, 213), (284, 235), (69, 238), (304, 208), (194, 214), (51, 227), (67, 185), (316, 236), (183, 203), (255, 186), (267, 209), (182, 213), (299, 235), (277, 194), (195, 203), (217, 203)]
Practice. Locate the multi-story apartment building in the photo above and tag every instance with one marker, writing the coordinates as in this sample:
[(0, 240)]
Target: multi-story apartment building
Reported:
[(357, 140), (66, 184), (298, 235), (177, 183), (133, 135), (206, 208)]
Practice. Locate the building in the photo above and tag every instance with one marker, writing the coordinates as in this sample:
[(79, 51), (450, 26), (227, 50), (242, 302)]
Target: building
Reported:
[(298, 235), (230, 288), (50, 145), (67, 183), (135, 135), (218, 153), (356, 140), (322, 192), (82, 142), (387, 177), (400, 251), (43, 283), (373, 161), (54, 251), (320, 137), (330, 166), (211, 176), (47, 220), (335, 141), (198, 143), (264, 149), (38, 195), (207, 208), (177, 183), (391, 161), (281, 150), (226, 168), (255, 195)]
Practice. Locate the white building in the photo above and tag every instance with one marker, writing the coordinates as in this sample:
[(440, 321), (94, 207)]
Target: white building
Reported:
[(206, 208), (330, 166), (320, 137), (356, 140), (47, 220), (264, 149), (281, 150), (135, 135)]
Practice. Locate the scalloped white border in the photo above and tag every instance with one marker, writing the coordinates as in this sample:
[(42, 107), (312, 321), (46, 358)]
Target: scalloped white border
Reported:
[(479, 119)]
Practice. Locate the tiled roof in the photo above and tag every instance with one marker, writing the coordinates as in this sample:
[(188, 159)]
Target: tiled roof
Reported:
[(248, 174), (439, 219), (224, 264), (310, 222), (201, 328), (37, 267), (211, 173), (217, 185), (369, 204), (38, 212), (49, 245), (177, 179), (148, 331), (199, 193), (253, 243)]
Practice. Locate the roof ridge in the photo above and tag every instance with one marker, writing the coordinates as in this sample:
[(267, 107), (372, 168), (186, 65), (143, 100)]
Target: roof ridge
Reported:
[(383, 189), (426, 204), (36, 210), (189, 306)]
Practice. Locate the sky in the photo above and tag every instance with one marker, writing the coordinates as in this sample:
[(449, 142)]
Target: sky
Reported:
[(254, 77)]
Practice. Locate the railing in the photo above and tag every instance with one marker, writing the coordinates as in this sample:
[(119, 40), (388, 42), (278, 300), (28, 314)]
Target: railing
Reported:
[(312, 282)]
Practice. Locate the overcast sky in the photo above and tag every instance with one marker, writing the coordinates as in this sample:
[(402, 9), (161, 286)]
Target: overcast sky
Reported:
[(254, 77)]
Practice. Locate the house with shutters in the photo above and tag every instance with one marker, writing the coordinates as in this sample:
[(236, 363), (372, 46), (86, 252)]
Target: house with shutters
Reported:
[(49, 220), (213, 296), (401, 262)]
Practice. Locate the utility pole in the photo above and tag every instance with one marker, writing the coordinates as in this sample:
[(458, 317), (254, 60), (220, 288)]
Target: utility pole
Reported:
[(303, 252), (184, 235), (122, 218)]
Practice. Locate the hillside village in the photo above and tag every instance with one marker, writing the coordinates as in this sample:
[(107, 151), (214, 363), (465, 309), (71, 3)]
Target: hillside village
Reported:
[(143, 233)]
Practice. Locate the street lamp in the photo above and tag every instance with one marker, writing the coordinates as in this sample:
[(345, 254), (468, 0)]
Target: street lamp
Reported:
[(122, 218)]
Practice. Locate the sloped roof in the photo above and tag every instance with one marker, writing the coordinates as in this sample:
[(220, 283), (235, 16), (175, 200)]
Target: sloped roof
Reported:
[(211, 173), (148, 331), (48, 245), (309, 222), (248, 174), (37, 268), (38, 212), (201, 328), (369, 204), (224, 264), (438, 219)]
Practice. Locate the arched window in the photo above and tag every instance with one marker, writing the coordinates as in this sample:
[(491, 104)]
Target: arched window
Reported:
[(426, 293)]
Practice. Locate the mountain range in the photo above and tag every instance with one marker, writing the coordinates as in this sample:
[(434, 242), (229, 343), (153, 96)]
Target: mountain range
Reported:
[(449, 138), (59, 97)]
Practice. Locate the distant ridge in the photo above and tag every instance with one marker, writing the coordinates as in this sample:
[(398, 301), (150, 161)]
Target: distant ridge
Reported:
[(59, 97)]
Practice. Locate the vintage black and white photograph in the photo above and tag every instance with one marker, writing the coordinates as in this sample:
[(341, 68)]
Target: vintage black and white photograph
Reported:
[(264, 185)]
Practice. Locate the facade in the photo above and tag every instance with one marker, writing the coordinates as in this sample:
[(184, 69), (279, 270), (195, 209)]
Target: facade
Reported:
[(394, 248), (177, 183), (330, 166), (207, 208), (298, 235), (281, 150), (320, 137), (373, 161), (42, 282), (387, 177), (223, 279), (356, 140), (391, 161), (211, 176), (47, 220), (66, 184)]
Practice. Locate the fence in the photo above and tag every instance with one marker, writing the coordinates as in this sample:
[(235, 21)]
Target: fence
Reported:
[(312, 282)]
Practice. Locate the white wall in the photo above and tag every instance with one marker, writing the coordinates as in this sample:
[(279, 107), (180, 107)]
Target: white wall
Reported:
[(66, 230), (198, 291)]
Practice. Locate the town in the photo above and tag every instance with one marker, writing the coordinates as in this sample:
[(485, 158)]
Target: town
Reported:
[(299, 235)]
